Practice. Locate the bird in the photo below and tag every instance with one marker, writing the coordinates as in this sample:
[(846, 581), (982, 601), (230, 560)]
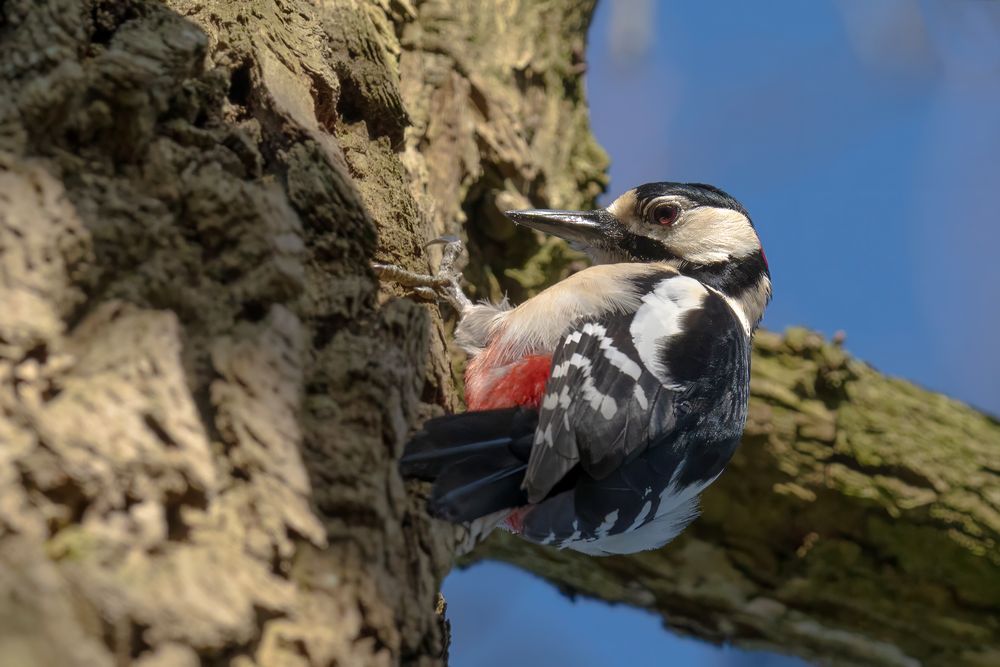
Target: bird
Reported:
[(601, 408)]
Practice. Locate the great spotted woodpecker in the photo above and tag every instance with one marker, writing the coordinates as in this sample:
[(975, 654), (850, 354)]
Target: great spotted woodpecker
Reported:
[(600, 409)]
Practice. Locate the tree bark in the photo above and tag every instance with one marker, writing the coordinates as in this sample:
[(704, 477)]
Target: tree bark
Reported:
[(203, 390)]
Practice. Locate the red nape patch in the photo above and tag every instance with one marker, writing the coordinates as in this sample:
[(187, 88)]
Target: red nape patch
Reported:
[(523, 384)]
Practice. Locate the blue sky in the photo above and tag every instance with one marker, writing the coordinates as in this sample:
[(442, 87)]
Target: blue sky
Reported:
[(864, 138)]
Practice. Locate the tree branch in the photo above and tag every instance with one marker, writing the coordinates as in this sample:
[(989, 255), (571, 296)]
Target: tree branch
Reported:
[(858, 524)]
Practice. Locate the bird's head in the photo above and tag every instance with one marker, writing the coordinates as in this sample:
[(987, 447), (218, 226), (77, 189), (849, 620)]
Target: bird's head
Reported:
[(700, 230)]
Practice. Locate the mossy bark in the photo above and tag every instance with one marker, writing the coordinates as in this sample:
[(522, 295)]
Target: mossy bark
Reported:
[(203, 390)]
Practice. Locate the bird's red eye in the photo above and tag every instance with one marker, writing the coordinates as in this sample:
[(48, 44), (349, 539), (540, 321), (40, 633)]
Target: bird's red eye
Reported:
[(666, 214)]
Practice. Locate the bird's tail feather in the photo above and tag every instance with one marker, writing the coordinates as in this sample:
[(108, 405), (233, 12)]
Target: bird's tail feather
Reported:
[(476, 461)]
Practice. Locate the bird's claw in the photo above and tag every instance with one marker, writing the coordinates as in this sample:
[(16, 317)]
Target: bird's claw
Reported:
[(442, 240), (453, 257), (445, 284)]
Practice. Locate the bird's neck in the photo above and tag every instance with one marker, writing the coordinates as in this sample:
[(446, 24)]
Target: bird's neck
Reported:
[(745, 282)]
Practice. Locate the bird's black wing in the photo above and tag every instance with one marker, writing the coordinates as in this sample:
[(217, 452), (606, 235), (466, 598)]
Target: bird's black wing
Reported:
[(677, 365)]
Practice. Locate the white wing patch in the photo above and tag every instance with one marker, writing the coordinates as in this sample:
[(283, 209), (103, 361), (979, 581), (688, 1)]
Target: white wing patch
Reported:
[(659, 317)]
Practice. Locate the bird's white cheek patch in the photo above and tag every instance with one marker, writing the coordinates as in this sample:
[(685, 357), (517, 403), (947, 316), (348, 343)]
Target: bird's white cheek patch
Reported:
[(708, 234), (660, 316)]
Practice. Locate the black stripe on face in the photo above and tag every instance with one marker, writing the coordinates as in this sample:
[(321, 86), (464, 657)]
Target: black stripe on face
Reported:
[(731, 277), (624, 245), (644, 248)]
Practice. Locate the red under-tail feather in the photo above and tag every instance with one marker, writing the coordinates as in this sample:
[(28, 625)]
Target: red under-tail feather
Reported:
[(522, 383), (519, 384)]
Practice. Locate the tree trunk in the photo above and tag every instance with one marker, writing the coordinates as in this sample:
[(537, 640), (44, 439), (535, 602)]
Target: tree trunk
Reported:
[(203, 391)]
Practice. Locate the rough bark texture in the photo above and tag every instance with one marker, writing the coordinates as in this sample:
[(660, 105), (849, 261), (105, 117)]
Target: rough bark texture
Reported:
[(202, 395), (203, 391)]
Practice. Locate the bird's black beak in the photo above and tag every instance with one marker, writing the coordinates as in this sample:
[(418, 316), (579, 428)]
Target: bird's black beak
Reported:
[(584, 228)]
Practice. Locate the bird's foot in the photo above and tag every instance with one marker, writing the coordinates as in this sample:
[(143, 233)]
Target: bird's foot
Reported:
[(445, 285)]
